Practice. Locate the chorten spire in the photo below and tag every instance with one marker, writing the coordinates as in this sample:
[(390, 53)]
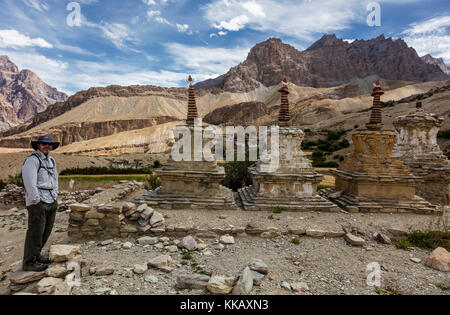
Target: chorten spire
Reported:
[(192, 107), (375, 116), (284, 117)]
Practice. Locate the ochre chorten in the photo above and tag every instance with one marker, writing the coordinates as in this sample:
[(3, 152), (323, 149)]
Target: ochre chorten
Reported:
[(371, 179)]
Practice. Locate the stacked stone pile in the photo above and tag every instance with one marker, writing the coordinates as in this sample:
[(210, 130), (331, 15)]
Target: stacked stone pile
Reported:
[(61, 276), (12, 194), (117, 192), (69, 197), (119, 219)]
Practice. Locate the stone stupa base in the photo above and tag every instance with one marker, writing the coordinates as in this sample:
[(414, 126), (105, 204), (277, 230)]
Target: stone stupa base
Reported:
[(252, 202), (192, 190), (291, 192), (355, 204), (372, 180)]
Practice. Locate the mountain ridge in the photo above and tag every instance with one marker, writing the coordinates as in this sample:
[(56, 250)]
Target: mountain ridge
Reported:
[(24, 94), (327, 62)]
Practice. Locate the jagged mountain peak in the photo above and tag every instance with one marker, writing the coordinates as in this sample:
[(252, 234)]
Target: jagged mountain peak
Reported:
[(437, 62), (7, 65), (25, 93), (327, 40)]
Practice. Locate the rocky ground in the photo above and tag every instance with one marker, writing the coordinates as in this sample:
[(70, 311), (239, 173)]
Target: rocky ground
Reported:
[(325, 265)]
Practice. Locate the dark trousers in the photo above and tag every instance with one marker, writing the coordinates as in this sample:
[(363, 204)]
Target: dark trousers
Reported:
[(41, 218)]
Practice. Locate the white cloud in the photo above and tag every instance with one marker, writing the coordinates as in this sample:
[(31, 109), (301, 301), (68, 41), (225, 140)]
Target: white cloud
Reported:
[(235, 24), (118, 34), (430, 37), (156, 15), (301, 19), (434, 25), (152, 13), (182, 28), (255, 9), (14, 39), (437, 46), (209, 62), (149, 2), (37, 4)]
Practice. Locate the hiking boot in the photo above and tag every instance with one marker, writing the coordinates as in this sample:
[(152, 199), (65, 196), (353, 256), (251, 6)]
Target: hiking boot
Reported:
[(36, 266), (44, 259)]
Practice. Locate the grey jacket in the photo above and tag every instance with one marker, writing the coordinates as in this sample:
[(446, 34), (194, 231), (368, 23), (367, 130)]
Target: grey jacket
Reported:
[(42, 186)]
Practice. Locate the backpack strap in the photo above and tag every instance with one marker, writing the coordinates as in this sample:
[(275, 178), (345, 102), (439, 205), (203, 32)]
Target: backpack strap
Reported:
[(40, 162)]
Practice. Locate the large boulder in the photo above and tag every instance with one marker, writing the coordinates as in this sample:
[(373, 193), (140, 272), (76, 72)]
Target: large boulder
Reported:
[(245, 283), (354, 240), (147, 240), (161, 261), (227, 239), (439, 260), (192, 282), (80, 207), (221, 284), (188, 243), (62, 253), (157, 219), (259, 266), (24, 277)]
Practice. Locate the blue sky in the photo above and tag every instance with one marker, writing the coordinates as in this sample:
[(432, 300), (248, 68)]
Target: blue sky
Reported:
[(160, 42)]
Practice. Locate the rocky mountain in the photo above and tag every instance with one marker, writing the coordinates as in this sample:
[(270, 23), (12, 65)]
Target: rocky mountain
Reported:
[(81, 97), (437, 62), (24, 94), (328, 62)]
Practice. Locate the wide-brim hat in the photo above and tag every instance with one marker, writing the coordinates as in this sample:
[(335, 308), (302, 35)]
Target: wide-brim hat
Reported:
[(45, 139)]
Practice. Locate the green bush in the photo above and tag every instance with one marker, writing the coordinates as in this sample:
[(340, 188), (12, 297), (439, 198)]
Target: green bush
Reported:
[(390, 103), (426, 240), (236, 173), (2, 184), (344, 144), (153, 182), (277, 209), (317, 154), (157, 164), (335, 135), (16, 180), (339, 157), (105, 171), (295, 240), (325, 164), (444, 134)]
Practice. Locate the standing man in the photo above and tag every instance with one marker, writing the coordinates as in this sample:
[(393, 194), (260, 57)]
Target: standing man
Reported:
[(40, 179)]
